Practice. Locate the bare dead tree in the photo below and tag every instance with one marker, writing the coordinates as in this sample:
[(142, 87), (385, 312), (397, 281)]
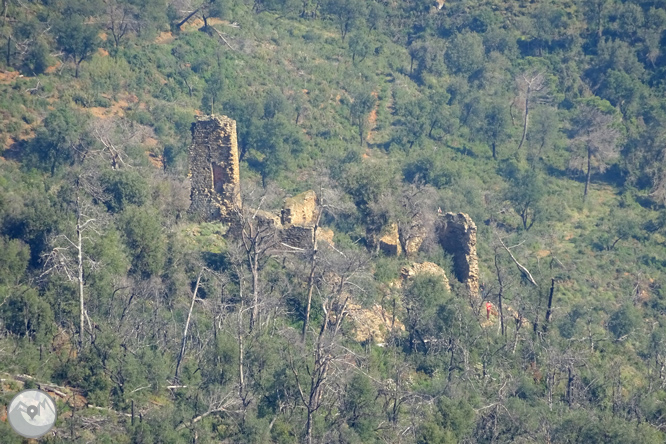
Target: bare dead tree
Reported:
[(343, 278), (68, 256), (114, 136), (217, 402), (328, 201), (187, 325), (524, 271), (531, 87), (595, 130), (417, 216), (500, 292), (121, 19), (258, 237)]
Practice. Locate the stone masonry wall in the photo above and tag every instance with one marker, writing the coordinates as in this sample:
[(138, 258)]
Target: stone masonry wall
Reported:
[(300, 209), (457, 235), (214, 169)]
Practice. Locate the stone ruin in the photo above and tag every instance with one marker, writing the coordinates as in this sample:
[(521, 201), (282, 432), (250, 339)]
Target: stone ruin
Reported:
[(457, 236), (215, 192), (456, 233), (215, 196), (417, 269), (214, 168)]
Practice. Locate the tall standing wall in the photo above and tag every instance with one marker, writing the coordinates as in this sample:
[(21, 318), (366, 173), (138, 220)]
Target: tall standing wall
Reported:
[(214, 168), (457, 235)]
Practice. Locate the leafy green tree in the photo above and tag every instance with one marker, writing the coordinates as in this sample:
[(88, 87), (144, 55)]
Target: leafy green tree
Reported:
[(359, 45), (621, 224), (495, 126), (248, 113), (614, 54), (215, 87), (548, 23), (422, 298), (449, 423), (14, 261), (281, 143), (60, 140), (596, 14), (38, 57), (622, 90), (363, 102), (376, 16), (275, 104), (500, 40), (630, 19), (465, 53), (346, 13), (77, 39), (526, 192), (124, 187), (359, 407), (441, 114), (142, 233), (25, 314), (644, 159), (655, 23), (545, 130), (368, 183), (413, 122), (624, 321), (428, 57)]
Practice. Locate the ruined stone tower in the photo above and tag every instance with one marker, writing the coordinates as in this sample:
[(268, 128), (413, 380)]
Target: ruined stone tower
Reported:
[(457, 235), (214, 169)]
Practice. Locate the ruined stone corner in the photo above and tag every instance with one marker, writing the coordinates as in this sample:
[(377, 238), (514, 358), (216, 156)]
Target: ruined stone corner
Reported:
[(389, 240)]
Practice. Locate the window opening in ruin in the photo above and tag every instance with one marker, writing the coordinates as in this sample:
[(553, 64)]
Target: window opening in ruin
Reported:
[(218, 178)]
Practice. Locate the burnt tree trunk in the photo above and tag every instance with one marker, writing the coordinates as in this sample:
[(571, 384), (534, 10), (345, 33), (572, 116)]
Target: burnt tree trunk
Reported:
[(549, 311), (589, 172)]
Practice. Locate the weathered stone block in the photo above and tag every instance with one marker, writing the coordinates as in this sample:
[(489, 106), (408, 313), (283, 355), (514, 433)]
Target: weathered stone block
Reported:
[(389, 243), (425, 268), (300, 209)]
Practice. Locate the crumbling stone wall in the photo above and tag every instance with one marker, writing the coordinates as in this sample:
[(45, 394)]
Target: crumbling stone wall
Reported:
[(214, 168), (300, 209), (412, 239), (389, 243), (297, 236), (457, 235), (295, 225), (416, 269)]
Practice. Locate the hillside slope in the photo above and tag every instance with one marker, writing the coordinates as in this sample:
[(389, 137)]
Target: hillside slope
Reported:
[(542, 121)]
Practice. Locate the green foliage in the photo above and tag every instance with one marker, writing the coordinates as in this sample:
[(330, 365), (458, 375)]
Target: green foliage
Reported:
[(346, 13), (422, 299), (525, 192), (624, 321), (60, 140), (465, 53), (144, 240), (363, 101), (14, 261), (430, 95), (124, 187), (450, 422), (77, 39)]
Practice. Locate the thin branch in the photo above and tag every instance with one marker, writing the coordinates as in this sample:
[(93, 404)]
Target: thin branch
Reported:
[(524, 270), (222, 37)]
